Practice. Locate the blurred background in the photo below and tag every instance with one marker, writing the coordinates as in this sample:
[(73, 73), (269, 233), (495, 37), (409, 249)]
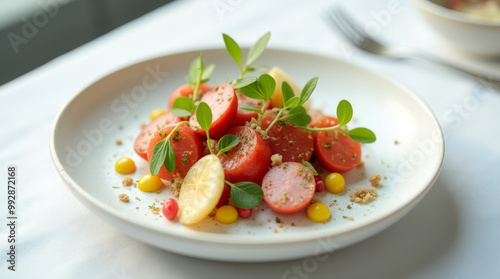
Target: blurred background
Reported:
[(28, 40)]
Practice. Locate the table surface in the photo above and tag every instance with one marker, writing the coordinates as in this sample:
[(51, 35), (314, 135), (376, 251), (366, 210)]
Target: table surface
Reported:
[(452, 233)]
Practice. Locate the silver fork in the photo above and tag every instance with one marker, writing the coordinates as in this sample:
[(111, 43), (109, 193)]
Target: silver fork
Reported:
[(351, 30)]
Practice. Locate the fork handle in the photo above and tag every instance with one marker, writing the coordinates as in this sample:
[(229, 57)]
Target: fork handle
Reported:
[(478, 77)]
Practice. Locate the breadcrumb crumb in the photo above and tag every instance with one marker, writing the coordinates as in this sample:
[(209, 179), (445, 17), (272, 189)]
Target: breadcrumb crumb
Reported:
[(375, 180), (118, 142), (175, 186), (363, 196), (123, 197), (276, 159), (127, 181)]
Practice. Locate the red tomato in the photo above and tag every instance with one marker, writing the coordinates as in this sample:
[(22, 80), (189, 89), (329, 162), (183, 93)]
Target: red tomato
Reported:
[(323, 122), (186, 90), (187, 146), (243, 116), (288, 187), (249, 160), (245, 212), (224, 104), (292, 143), (320, 185), (170, 209), (142, 141), (224, 198), (336, 151)]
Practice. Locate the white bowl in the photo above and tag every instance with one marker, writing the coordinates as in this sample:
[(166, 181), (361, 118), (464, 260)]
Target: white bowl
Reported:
[(84, 151), (470, 35)]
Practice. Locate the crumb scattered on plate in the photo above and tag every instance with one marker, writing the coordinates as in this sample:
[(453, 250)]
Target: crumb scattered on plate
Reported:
[(127, 181), (123, 197), (375, 180), (363, 196)]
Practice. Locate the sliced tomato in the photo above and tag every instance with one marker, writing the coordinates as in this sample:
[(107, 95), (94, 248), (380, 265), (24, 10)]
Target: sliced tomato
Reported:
[(186, 90), (322, 122), (243, 116), (336, 151), (288, 187), (249, 160), (224, 104), (224, 198), (187, 145), (292, 143), (142, 141)]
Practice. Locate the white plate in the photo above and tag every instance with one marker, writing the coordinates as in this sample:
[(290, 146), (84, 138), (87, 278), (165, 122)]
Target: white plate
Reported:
[(84, 152)]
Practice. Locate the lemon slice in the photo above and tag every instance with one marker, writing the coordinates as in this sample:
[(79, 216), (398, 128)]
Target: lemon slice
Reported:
[(201, 190), (280, 76)]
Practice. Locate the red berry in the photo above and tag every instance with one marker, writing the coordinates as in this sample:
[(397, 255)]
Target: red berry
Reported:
[(224, 198), (170, 209), (245, 212), (320, 185)]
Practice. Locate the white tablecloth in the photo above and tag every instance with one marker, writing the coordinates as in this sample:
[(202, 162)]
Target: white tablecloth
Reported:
[(452, 233)]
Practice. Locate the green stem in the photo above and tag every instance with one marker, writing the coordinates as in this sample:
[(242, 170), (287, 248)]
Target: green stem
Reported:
[(275, 120), (175, 129), (322, 128), (262, 111), (197, 85), (336, 127), (229, 183), (209, 144)]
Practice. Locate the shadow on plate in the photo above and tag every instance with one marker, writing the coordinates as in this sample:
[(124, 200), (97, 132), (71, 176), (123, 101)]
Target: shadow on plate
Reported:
[(416, 241)]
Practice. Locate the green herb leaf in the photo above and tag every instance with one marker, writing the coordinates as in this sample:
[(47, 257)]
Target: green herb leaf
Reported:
[(204, 116), (252, 90), (158, 158), (250, 109), (242, 82), (182, 107), (246, 194), (292, 102), (257, 49), (233, 49), (267, 84), (201, 66), (207, 72), (287, 92), (227, 142), (298, 116), (308, 90), (307, 164), (169, 161), (362, 135), (193, 71), (344, 112)]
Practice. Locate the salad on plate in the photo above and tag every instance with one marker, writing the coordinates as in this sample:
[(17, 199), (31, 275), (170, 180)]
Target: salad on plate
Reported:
[(224, 149)]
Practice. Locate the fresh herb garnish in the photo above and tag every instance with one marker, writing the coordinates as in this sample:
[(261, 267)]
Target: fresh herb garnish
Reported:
[(245, 194), (182, 107), (344, 115), (255, 51), (163, 153), (226, 143), (307, 164)]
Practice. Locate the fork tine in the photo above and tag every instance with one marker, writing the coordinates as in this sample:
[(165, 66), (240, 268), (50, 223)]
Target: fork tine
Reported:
[(341, 25), (348, 20)]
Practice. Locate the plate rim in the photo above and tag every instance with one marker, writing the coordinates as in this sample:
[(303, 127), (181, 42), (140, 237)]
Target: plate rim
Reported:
[(232, 239)]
